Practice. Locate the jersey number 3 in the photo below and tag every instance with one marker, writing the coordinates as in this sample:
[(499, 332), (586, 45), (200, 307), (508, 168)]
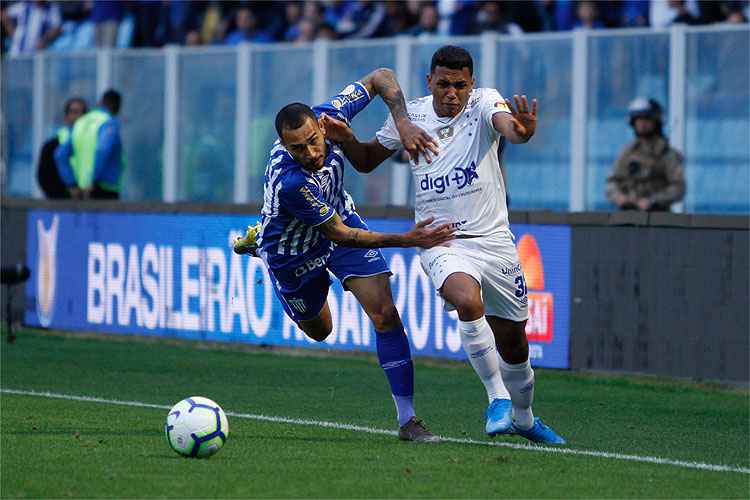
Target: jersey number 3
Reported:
[(521, 290)]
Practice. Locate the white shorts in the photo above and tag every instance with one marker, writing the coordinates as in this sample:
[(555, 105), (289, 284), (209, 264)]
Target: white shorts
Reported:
[(493, 262)]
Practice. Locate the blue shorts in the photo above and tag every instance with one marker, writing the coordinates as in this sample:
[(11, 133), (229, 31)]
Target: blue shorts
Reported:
[(303, 295)]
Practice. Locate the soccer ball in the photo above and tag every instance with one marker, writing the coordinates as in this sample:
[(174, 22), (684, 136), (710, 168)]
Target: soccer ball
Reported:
[(196, 427)]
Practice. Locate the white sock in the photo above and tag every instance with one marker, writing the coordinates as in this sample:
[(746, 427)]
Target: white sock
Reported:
[(520, 381), (479, 344)]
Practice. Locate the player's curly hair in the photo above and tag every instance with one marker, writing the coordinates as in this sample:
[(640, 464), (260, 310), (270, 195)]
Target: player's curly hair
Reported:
[(292, 116), (452, 57)]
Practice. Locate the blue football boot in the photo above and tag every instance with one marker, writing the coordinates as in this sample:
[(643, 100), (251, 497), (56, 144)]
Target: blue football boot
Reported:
[(499, 419), (540, 433)]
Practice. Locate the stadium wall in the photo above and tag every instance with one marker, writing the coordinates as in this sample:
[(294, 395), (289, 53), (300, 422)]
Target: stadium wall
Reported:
[(663, 294)]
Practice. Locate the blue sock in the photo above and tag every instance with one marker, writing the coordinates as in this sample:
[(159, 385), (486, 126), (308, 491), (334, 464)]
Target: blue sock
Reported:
[(395, 359)]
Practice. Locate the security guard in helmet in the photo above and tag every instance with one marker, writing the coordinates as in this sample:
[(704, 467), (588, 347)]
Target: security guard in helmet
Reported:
[(649, 173)]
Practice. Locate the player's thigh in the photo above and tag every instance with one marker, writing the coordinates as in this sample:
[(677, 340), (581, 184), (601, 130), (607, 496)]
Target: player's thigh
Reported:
[(465, 294), (456, 277), (372, 292), (503, 284)]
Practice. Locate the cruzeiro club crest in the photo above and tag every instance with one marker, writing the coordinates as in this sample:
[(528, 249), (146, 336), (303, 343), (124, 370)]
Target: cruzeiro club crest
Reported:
[(46, 270)]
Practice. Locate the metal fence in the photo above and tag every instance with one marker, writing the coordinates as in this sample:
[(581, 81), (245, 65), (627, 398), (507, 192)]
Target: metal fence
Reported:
[(198, 123)]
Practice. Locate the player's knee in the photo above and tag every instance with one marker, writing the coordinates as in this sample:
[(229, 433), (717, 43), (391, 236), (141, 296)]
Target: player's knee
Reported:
[(318, 335), (468, 307), (318, 332), (385, 318)]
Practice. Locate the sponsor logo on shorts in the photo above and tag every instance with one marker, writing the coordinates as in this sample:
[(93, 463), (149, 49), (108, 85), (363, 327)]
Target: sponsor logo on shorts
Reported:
[(311, 265), (511, 270), (298, 304), (372, 255)]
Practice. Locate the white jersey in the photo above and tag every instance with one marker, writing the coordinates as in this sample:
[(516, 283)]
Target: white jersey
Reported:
[(463, 184)]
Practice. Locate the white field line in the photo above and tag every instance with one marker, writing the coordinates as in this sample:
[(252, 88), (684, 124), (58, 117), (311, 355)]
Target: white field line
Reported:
[(374, 430)]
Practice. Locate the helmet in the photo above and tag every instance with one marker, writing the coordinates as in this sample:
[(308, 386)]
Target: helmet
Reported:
[(644, 107)]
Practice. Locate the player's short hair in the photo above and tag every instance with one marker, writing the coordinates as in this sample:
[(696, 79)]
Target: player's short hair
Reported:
[(112, 100), (452, 57), (292, 116)]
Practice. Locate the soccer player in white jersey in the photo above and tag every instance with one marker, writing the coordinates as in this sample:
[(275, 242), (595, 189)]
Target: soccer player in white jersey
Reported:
[(479, 274)]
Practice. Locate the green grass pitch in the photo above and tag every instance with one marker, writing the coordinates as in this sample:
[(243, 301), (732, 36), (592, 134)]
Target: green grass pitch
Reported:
[(51, 447)]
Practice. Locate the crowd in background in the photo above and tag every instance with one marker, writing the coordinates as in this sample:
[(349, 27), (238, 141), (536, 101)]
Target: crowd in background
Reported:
[(32, 25)]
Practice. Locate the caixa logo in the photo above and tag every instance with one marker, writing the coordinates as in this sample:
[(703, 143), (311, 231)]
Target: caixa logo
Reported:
[(458, 178)]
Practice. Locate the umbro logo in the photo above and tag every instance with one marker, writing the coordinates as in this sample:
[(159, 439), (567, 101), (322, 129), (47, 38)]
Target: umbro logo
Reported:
[(371, 253)]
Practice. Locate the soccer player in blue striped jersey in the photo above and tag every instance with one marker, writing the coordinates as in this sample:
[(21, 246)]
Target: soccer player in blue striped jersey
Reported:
[(309, 226)]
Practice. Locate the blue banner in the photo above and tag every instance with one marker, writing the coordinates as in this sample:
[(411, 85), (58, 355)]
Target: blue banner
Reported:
[(176, 276)]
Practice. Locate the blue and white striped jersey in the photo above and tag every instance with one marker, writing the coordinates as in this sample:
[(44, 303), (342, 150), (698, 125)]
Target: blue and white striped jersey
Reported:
[(296, 200)]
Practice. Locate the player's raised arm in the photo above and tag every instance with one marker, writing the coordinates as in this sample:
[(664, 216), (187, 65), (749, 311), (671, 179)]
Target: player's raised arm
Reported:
[(420, 236), (519, 124), (415, 140)]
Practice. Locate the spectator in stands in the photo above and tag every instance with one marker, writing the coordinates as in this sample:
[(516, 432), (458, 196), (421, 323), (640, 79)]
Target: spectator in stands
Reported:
[(428, 21), (47, 175), (634, 13), (491, 18), (91, 162), (33, 25), (565, 16), (663, 12), (736, 17), (396, 19), (292, 18), (364, 20), (146, 15), (246, 29), (588, 15), (106, 16), (326, 32), (193, 38), (212, 25), (683, 14), (457, 17), (649, 174), (306, 31)]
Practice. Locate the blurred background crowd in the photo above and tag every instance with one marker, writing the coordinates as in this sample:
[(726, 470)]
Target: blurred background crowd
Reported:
[(32, 25)]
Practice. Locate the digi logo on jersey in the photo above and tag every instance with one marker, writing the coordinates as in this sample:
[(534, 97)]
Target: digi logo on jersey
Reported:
[(458, 178)]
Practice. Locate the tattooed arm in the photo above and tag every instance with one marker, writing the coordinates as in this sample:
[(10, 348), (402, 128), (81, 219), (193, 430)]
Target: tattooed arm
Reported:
[(420, 236), (416, 141)]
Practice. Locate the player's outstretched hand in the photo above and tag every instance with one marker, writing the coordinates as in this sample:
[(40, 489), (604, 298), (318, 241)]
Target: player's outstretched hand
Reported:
[(428, 237), (336, 130), (524, 122), (416, 141)]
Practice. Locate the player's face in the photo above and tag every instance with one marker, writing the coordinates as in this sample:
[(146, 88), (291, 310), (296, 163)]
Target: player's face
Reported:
[(450, 89), (306, 144)]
